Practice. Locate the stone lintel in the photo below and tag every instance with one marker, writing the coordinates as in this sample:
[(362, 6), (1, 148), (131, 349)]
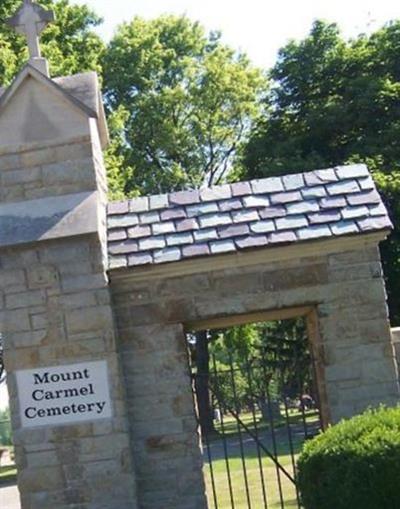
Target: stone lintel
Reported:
[(49, 218)]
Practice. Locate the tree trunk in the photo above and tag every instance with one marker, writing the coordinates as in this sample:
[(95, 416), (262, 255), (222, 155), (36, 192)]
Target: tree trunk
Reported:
[(202, 390)]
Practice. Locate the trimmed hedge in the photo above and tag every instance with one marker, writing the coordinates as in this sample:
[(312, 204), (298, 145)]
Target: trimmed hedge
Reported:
[(354, 464)]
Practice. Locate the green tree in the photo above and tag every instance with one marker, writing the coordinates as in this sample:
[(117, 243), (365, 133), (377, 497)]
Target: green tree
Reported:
[(331, 102), (186, 100), (70, 44), (5, 427), (180, 103), (266, 361)]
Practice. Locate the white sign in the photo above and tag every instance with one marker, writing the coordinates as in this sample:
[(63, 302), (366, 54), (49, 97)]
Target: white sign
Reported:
[(64, 394)]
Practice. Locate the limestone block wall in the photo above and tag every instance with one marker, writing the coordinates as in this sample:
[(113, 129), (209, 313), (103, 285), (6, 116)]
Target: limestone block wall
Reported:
[(354, 348), (56, 311), (38, 171)]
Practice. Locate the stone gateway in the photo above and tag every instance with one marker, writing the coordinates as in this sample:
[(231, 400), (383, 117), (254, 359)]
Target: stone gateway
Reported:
[(97, 297)]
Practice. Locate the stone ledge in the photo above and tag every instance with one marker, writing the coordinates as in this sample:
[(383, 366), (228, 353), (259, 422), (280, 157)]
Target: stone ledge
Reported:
[(48, 218)]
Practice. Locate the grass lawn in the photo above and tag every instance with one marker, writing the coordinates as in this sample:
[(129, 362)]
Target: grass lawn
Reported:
[(256, 474), (8, 474), (254, 482)]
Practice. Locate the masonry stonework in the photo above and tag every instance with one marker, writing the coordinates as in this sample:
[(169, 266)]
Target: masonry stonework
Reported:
[(56, 309), (345, 289), (82, 280)]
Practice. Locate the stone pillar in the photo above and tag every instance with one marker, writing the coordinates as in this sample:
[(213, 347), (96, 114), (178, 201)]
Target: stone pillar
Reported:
[(55, 298), (161, 413), (360, 367)]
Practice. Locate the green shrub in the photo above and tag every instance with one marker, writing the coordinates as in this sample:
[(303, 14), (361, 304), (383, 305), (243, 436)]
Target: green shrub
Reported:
[(354, 465)]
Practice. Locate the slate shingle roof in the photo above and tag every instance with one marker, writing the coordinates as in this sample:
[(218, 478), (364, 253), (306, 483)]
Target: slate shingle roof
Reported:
[(246, 215)]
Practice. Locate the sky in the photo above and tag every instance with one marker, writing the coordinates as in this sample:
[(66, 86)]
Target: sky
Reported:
[(257, 27)]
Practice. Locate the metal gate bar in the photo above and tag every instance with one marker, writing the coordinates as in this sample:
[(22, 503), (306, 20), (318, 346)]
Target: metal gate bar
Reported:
[(277, 430)]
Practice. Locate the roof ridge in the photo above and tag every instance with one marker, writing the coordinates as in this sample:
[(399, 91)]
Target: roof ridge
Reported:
[(290, 182)]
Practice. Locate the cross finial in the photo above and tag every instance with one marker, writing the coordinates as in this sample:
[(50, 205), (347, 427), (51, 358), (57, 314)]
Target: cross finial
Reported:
[(30, 20)]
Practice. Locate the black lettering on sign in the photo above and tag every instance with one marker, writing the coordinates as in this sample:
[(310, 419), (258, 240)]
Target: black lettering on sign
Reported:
[(67, 376), (97, 407)]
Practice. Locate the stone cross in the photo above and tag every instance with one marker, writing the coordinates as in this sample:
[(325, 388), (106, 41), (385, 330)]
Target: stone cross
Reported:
[(30, 20)]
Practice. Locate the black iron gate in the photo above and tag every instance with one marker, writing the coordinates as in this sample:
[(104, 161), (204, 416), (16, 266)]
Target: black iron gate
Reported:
[(257, 429)]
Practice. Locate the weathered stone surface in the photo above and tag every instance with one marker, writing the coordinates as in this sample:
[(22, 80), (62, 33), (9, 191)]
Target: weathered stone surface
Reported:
[(313, 192), (48, 218), (295, 181), (184, 198), (318, 177), (303, 207), (195, 250), (55, 300), (364, 198), (332, 203), (187, 225), (271, 185), (354, 171), (216, 193), (323, 197), (241, 189), (139, 204), (355, 212), (159, 201), (233, 231), (222, 246), (262, 227), (179, 239), (217, 219), (256, 201), (272, 212), (129, 246), (121, 207), (56, 308), (291, 222), (167, 255), (314, 232), (282, 237), (177, 213), (139, 231), (140, 259), (149, 217), (120, 221), (206, 234), (251, 241), (245, 216), (344, 227), (328, 216), (201, 208), (228, 205), (165, 227), (348, 290), (285, 197)]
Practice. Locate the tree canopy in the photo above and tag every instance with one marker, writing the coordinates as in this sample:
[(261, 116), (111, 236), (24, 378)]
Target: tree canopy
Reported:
[(334, 101), (70, 44), (180, 104)]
